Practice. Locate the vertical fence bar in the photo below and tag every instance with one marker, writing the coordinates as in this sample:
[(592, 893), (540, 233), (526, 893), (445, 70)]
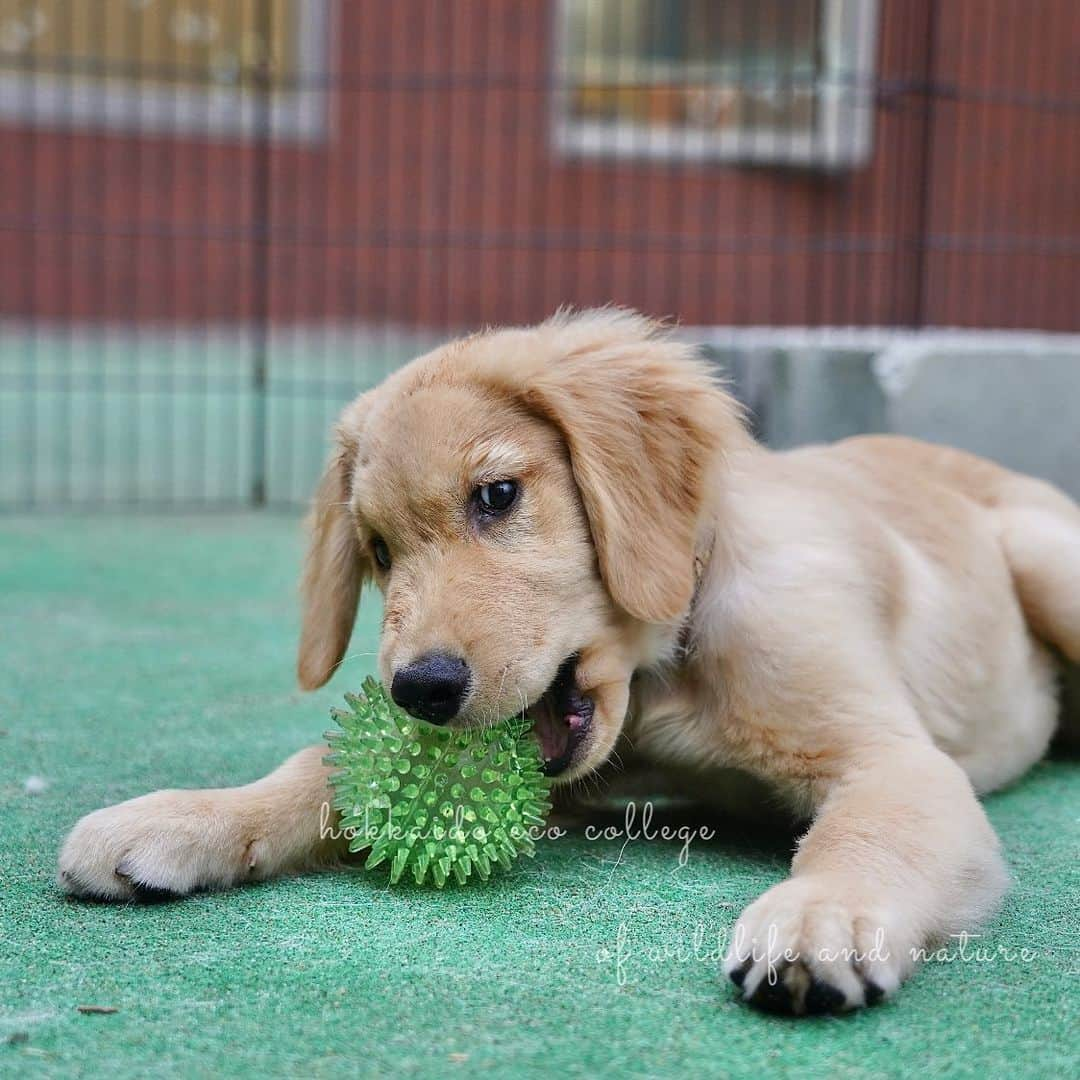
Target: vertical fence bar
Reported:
[(261, 210), (927, 91)]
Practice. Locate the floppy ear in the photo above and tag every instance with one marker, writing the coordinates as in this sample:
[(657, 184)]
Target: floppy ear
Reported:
[(645, 423), (335, 568)]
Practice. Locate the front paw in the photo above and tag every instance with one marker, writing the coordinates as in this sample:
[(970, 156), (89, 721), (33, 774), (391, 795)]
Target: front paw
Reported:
[(814, 945), (167, 844)]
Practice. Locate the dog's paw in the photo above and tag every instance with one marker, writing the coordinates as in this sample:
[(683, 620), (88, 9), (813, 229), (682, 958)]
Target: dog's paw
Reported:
[(813, 945), (167, 844)]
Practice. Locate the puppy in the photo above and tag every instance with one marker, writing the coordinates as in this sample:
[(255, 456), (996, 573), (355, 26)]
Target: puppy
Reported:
[(571, 520)]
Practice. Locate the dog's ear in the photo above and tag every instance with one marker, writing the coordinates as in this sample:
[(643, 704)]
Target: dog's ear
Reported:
[(646, 424), (335, 569)]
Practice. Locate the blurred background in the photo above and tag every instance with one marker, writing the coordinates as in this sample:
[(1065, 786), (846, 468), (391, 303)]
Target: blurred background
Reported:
[(221, 219)]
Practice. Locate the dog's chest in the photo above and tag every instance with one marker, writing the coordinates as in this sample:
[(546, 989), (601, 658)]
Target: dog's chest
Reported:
[(685, 724), (677, 720)]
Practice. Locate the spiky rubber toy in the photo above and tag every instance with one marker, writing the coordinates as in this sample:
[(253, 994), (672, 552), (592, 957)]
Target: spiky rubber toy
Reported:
[(431, 800)]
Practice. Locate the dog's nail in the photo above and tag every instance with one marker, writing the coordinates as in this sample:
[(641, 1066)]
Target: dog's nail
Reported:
[(154, 894), (823, 998), (773, 997), (874, 993), (738, 975)]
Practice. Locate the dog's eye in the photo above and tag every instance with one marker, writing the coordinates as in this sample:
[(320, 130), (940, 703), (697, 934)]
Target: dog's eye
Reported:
[(382, 552), (497, 497)]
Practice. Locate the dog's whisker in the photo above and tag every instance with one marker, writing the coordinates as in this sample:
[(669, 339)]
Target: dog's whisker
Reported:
[(351, 656), (502, 681)]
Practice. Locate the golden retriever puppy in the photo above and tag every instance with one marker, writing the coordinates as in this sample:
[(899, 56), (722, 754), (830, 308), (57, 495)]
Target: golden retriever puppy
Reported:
[(571, 520)]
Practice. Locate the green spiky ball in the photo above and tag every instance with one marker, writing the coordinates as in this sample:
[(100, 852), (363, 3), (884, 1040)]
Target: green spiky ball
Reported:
[(432, 800)]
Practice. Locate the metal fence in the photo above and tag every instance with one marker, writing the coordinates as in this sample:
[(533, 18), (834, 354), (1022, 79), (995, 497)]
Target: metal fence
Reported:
[(220, 219)]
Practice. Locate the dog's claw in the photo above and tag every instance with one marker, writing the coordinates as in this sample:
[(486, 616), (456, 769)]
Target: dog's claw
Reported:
[(822, 998), (773, 997), (738, 975)]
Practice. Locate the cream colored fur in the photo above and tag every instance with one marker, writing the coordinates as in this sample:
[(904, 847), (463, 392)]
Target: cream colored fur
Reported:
[(871, 631)]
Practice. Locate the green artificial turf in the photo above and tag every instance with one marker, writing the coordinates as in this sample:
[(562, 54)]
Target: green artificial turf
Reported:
[(138, 653)]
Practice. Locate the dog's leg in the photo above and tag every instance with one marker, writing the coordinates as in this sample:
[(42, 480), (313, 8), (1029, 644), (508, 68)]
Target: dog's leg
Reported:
[(176, 842), (899, 857), (1042, 544)]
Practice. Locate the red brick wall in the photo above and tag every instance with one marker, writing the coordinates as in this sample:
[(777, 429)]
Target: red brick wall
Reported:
[(438, 200)]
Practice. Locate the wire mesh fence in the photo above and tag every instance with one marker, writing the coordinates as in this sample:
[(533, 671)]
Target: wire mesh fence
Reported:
[(220, 219)]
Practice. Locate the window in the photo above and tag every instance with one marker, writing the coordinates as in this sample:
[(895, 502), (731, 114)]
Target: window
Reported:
[(202, 66), (781, 81)]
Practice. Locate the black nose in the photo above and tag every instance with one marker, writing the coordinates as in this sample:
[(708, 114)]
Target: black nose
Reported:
[(432, 688)]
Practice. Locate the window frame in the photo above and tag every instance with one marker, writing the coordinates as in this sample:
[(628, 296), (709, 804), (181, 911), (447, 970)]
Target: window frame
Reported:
[(44, 99), (842, 137)]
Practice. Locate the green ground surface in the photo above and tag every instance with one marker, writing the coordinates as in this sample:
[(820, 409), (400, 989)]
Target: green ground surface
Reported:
[(138, 653)]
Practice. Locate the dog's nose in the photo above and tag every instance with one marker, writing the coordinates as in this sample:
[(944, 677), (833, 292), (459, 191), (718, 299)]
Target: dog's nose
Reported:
[(432, 688)]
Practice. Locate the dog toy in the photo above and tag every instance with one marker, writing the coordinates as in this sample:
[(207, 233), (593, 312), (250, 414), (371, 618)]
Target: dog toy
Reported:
[(434, 800)]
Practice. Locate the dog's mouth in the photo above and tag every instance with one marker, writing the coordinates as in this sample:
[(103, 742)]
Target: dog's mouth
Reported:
[(561, 719)]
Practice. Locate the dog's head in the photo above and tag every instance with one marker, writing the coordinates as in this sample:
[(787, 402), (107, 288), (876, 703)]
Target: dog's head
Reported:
[(530, 503)]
